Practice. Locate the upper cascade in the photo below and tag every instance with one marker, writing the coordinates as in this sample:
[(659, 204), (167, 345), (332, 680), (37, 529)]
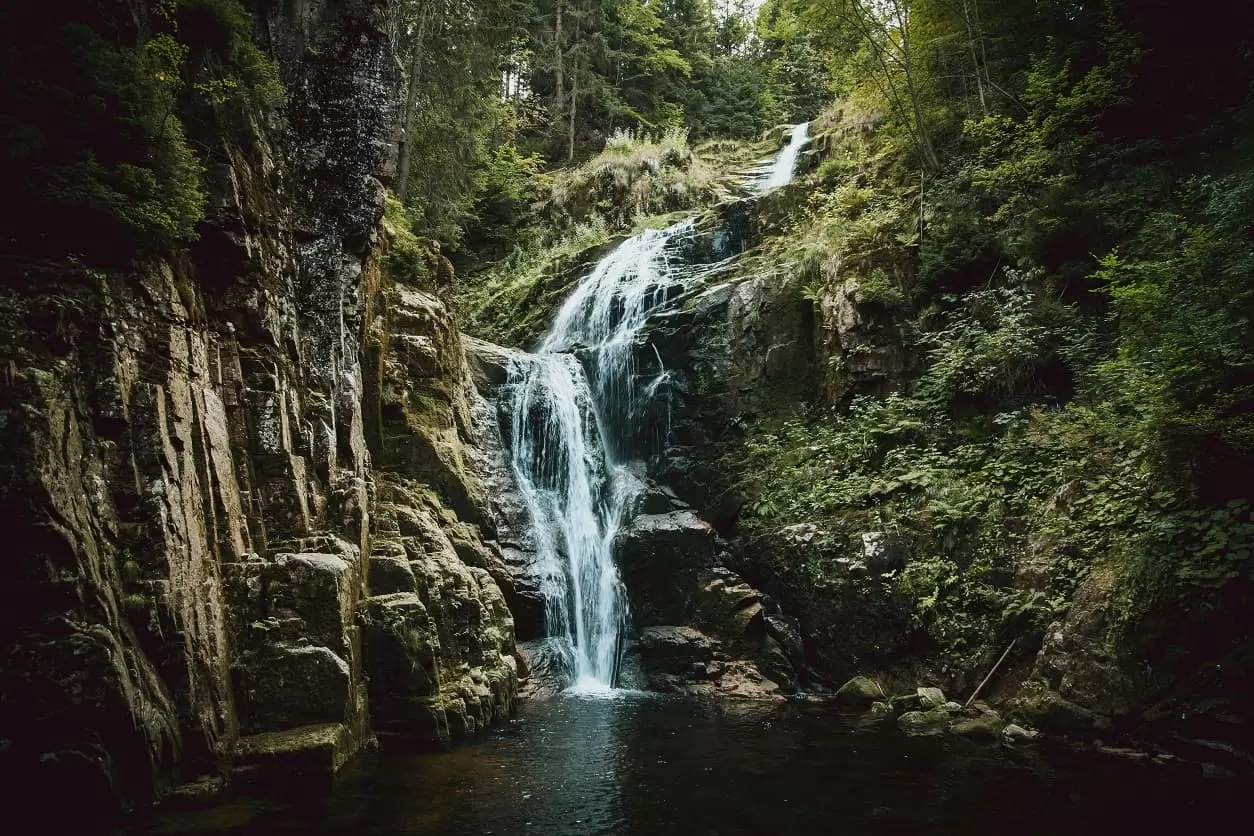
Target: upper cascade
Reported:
[(576, 409), (780, 172)]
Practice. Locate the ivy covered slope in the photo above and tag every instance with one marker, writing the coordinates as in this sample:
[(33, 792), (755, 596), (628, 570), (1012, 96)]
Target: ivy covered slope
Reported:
[(1018, 400), (246, 533)]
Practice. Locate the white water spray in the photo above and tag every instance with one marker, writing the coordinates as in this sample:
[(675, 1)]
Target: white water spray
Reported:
[(572, 423), (577, 407), (779, 172)]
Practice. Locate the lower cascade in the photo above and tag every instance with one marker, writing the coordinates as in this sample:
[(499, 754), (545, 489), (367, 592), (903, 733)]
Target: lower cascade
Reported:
[(574, 409), (577, 408)]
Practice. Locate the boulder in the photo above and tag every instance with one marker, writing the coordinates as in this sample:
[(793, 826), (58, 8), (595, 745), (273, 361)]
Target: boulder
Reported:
[(859, 692), (787, 634), (292, 761), (883, 551), (675, 650), (728, 606), (661, 557), (906, 702), (924, 722), (489, 363), (931, 698), (987, 726), (1018, 734), (548, 664), (1046, 710)]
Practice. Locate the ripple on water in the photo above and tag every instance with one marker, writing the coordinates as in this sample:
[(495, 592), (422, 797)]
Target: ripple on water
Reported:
[(628, 763)]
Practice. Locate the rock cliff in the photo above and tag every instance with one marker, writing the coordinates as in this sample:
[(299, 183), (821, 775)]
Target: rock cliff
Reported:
[(245, 532)]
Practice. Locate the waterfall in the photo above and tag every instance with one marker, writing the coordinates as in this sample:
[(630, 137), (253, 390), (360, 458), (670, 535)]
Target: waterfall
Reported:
[(779, 172), (576, 405), (577, 408)]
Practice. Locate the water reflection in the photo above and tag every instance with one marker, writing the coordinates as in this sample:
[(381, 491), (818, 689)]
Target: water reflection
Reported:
[(633, 763)]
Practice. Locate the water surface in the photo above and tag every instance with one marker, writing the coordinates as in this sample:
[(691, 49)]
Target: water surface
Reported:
[(644, 764)]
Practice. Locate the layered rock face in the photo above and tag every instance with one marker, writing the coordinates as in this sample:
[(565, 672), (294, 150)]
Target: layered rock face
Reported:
[(244, 529)]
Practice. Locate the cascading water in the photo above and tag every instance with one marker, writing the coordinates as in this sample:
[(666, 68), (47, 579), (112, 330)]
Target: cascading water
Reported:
[(780, 171), (576, 408), (571, 423)]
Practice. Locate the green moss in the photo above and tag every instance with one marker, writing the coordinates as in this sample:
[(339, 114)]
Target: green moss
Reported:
[(511, 303), (636, 175)]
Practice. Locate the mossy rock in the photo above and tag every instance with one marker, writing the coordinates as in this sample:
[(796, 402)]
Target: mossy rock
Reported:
[(859, 692), (924, 722)]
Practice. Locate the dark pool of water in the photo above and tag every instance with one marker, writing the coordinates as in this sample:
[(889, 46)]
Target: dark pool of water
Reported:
[(652, 765)]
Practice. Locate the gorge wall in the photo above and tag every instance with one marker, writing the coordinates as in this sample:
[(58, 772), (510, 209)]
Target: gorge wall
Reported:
[(245, 535)]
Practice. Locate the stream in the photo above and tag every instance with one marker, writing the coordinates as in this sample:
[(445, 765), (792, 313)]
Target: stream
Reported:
[(645, 764)]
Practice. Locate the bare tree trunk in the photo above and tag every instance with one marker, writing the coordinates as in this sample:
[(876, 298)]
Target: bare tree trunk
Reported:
[(406, 150), (975, 61), (907, 64), (574, 80), (559, 82), (874, 30)]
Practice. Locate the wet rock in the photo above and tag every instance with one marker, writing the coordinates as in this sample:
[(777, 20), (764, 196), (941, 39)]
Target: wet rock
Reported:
[(292, 761), (883, 551), (1018, 734), (986, 726), (787, 634), (661, 557), (390, 574), (674, 650), (934, 721), (859, 692), (659, 499), (1046, 710), (931, 698), (489, 363), (851, 623), (400, 649), (744, 679), (906, 702), (727, 606), (425, 403), (774, 664), (215, 439), (1078, 662), (280, 686), (549, 662)]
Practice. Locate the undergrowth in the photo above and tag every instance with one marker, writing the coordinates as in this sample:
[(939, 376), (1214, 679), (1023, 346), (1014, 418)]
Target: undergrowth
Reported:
[(1066, 416)]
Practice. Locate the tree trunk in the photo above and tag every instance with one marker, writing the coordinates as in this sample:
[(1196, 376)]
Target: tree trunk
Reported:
[(925, 141), (975, 61), (570, 154), (408, 114), (559, 81)]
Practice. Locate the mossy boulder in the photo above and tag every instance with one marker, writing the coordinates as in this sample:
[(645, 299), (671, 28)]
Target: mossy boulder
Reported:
[(987, 726), (859, 692), (933, 721)]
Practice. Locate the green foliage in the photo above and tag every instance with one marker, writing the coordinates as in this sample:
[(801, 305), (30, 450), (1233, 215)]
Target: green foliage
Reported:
[(510, 302), (407, 257), (635, 175), (96, 107)]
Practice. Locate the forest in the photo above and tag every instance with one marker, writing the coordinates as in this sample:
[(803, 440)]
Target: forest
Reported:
[(1050, 201), (966, 400)]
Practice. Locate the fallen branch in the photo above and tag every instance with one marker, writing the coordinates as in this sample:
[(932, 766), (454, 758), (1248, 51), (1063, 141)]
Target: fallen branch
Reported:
[(980, 687)]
